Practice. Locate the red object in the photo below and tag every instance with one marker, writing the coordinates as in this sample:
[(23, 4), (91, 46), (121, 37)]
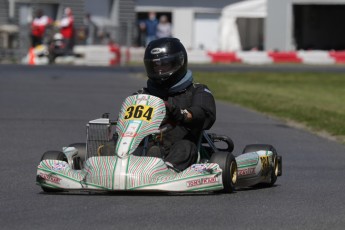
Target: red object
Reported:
[(224, 57), (37, 31), (38, 26), (284, 57), (31, 56), (339, 56), (67, 27), (113, 48)]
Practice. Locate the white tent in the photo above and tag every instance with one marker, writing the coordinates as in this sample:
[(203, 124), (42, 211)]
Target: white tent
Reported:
[(229, 34)]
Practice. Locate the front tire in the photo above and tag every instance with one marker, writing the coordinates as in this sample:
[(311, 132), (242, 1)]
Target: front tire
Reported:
[(275, 169), (227, 163), (53, 155)]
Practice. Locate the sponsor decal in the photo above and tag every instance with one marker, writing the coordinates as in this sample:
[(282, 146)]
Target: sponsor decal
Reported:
[(245, 172), (265, 162), (51, 178), (265, 165), (202, 181), (199, 167), (142, 98), (133, 126), (129, 134), (59, 166), (158, 50)]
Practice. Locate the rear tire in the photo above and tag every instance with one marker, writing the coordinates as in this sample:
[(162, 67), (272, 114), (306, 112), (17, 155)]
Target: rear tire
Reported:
[(274, 167), (227, 163), (53, 155)]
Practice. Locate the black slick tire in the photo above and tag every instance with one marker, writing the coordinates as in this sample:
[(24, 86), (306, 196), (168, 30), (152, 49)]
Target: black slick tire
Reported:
[(227, 163)]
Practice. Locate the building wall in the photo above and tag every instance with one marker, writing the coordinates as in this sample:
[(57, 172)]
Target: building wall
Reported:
[(277, 25), (3, 11), (279, 22), (78, 10), (183, 3), (126, 20), (183, 26), (119, 17)]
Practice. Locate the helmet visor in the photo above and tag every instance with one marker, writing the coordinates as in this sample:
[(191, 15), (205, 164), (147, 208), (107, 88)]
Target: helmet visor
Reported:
[(161, 68)]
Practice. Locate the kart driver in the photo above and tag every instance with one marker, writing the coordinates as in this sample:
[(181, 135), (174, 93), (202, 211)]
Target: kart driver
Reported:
[(190, 106)]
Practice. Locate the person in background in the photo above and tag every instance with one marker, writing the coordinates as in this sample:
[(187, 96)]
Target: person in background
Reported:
[(151, 27), (38, 27), (164, 28), (90, 29), (142, 34), (66, 25)]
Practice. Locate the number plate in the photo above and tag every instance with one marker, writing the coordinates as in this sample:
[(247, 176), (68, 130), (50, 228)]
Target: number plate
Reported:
[(139, 112)]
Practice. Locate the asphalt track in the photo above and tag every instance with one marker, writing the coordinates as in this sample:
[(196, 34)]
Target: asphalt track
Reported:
[(45, 108)]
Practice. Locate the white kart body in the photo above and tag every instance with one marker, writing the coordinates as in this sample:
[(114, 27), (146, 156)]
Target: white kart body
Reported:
[(140, 116), (254, 168)]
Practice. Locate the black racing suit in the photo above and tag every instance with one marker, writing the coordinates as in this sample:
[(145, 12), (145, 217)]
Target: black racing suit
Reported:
[(179, 146)]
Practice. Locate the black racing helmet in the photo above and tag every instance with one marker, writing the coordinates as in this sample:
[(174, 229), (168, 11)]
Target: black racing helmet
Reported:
[(165, 61)]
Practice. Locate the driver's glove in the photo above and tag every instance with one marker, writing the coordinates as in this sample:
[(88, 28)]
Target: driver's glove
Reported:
[(174, 112)]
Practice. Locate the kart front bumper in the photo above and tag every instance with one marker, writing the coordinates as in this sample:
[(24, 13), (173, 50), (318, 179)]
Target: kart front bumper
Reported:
[(111, 173)]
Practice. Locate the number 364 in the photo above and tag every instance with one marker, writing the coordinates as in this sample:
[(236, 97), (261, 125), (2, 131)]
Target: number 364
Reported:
[(141, 112)]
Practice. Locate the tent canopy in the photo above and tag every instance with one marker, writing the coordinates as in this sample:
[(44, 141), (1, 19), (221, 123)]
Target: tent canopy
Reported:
[(246, 9), (229, 34)]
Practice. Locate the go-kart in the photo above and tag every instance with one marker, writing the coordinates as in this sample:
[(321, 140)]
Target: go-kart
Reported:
[(118, 161)]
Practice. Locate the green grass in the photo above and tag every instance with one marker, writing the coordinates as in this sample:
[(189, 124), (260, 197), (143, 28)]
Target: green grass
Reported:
[(316, 100)]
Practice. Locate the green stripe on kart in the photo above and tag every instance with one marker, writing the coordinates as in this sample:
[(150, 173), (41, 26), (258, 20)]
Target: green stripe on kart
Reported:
[(126, 179), (131, 143), (113, 178), (160, 183), (58, 174), (207, 188), (97, 186)]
